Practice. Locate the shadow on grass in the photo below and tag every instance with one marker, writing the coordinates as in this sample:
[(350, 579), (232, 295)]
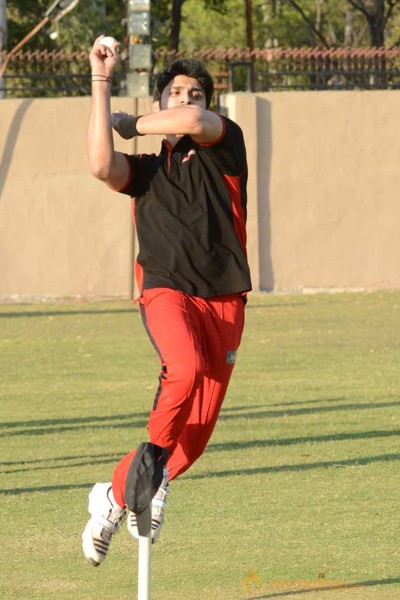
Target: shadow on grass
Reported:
[(67, 313), (226, 413), (332, 464), (334, 437), (316, 401), (110, 459), (249, 306), (51, 459), (96, 418), (246, 407), (361, 584), (46, 488), (22, 466), (52, 430), (71, 421), (354, 462), (50, 426), (312, 410)]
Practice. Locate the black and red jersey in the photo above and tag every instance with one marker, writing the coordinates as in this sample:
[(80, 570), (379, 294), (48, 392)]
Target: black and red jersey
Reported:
[(190, 215)]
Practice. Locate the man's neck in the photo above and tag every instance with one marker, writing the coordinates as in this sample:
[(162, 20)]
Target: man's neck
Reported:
[(173, 139)]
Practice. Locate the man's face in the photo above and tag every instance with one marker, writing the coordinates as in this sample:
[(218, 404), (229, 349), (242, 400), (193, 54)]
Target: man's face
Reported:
[(182, 90)]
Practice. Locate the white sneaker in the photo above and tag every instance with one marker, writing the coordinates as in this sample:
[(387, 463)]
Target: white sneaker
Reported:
[(158, 505), (104, 522)]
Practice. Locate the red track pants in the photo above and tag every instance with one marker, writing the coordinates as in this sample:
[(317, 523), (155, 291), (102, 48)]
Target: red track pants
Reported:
[(196, 340)]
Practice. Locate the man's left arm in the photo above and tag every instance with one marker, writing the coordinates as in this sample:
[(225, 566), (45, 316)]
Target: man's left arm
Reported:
[(204, 126)]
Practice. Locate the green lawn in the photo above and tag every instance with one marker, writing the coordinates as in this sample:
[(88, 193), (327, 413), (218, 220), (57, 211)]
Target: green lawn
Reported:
[(299, 487)]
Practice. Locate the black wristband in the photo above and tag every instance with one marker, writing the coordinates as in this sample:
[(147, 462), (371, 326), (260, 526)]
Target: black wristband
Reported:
[(127, 126)]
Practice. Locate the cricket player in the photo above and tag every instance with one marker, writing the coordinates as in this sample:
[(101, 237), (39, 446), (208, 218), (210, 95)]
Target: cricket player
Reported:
[(189, 206)]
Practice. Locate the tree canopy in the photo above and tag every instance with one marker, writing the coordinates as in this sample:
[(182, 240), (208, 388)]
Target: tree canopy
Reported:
[(76, 30), (192, 24)]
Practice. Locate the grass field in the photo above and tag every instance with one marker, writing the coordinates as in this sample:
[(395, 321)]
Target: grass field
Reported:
[(298, 489)]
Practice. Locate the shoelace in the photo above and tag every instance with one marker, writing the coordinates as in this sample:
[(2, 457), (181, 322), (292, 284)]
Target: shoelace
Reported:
[(113, 520)]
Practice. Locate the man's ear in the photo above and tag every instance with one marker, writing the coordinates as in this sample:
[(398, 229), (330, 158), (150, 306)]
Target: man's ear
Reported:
[(156, 106)]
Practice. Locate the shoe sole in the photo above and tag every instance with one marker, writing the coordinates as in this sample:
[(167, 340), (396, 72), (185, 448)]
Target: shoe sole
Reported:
[(92, 562)]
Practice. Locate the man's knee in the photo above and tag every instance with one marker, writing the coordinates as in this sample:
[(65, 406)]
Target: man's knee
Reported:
[(186, 374)]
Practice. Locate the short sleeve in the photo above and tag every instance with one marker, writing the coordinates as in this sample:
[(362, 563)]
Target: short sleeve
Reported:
[(229, 151), (141, 170)]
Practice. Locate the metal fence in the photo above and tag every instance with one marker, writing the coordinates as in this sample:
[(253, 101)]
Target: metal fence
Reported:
[(43, 73)]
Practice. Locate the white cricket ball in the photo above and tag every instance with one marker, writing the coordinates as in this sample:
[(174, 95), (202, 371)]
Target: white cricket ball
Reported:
[(107, 41)]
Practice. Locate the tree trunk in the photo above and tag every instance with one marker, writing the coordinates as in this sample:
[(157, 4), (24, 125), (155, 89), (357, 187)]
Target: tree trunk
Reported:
[(250, 43), (176, 19), (3, 41), (348, 28), (316, 32), (375, 14), (377, 33), (376, 24), (318, 14)]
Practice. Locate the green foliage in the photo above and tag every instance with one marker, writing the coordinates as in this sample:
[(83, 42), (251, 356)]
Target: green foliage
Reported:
[(198, 12), (205, 24), (274, 24), (22, 16), (284, 26), (76, 31), (219, 6), (160, 23), (277, 23), (88, 20), (212, 29)]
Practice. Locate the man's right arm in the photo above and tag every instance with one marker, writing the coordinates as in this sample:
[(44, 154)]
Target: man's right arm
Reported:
[(103, 161)]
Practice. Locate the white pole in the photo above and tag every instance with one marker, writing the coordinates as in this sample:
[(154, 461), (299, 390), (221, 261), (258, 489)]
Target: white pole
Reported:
[(144, 561), (144, 577)]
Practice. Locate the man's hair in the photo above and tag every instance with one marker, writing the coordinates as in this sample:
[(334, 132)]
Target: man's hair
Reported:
[(189, 67)]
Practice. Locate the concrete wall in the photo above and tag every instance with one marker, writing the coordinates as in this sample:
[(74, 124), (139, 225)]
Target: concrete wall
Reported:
[(324, 182), (62, 232), (324, 188)]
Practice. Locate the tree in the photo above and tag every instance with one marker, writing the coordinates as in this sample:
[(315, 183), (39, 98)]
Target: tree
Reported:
[(176, 18), (190, 24), (299, 23), (3, 26), (313, 24), (220, 27), (75, 31), (378, 13), (22, 15), (3, 40)]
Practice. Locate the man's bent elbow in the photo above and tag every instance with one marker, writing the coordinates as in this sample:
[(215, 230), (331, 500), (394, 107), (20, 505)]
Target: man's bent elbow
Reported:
[(99, 170), (206, 125), (114, 173)]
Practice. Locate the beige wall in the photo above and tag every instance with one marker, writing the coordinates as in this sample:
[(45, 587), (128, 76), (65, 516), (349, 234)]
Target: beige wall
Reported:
[(324, 182), (62, 232), (324, 186)]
